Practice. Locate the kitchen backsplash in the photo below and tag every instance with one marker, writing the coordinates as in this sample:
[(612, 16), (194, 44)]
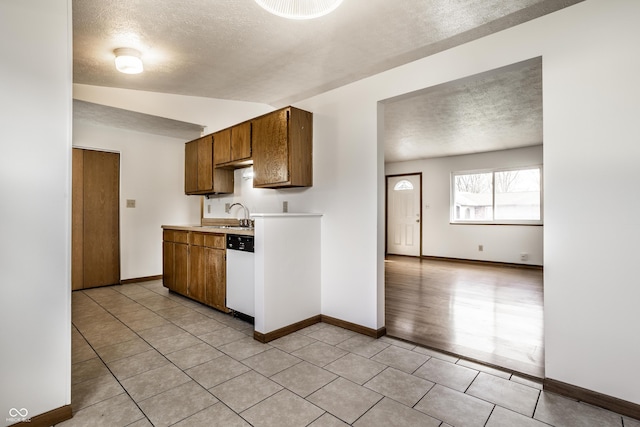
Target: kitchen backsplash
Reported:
[(255, 199)]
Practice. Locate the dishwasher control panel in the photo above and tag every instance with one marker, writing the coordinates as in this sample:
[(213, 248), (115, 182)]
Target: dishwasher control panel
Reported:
[(238, 242)]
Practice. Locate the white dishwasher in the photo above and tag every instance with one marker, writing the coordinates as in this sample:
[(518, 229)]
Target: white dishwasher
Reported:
[(240, 274)]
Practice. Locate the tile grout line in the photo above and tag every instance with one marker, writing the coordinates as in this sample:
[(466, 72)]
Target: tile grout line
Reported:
[(251, 369), (163, 355), (111, 373), (193, 379)]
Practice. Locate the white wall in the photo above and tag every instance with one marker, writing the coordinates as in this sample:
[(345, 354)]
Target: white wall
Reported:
[(35, 166), (151, 173), (590, 89), (502, 243), (590, 92), (344, 170), (152, 166)]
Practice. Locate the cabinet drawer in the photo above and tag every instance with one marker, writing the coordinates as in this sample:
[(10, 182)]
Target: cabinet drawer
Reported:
[(216, 241), (197, 239), (175, 236)]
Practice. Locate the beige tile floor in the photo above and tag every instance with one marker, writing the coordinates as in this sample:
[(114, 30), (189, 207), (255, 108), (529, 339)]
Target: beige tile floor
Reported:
[(143, 356)]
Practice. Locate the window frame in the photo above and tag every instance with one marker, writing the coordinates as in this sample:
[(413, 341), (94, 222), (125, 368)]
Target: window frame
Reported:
[(493, 171)]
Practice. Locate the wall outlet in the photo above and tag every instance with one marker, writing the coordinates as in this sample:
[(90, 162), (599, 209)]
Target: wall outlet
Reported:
[(227, 206), (208, 208), (524, 256), (285, 207), (131, 203), (480, 248)]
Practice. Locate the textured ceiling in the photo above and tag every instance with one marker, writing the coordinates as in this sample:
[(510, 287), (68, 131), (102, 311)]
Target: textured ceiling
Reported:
[(97, 114), (236, 50), (496, 110)]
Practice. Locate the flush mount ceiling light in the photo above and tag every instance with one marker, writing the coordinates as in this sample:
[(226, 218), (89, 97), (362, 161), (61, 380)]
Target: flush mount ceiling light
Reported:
[(299, 9), (128, 60)]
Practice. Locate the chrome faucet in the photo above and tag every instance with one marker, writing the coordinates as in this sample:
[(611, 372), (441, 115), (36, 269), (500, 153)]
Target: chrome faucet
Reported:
[(245, 222)]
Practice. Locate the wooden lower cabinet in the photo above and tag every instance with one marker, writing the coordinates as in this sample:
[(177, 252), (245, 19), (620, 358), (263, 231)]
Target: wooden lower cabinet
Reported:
[(198, 269), (175, 260), (216, 279), (181, 266)]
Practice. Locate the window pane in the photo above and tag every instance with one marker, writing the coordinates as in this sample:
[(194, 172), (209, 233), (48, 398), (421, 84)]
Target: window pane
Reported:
[(473, 197), (403, 185), (518, 194)]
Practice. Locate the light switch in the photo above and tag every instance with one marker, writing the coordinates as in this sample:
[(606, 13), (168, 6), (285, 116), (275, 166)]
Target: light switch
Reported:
[(131, 203)]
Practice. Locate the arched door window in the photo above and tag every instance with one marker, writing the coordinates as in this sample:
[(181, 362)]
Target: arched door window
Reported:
[(403, 185)]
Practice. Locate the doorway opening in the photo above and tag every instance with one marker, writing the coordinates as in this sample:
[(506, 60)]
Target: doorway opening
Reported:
[(474, 289)]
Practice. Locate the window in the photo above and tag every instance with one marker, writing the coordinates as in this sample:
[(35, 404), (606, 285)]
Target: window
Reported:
[(504, 196), (403, 185)]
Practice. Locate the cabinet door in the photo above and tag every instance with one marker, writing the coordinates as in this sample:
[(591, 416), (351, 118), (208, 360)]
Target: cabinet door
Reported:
[(197, 277), (191, 167), (270, 149), (216, 292), (241, 141), (181, 268), (222, 146), (168, 259), (205, 164)]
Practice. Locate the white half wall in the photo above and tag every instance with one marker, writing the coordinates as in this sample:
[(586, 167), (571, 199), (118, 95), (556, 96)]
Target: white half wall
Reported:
[(502, 243), (152, 174), (35, 217)]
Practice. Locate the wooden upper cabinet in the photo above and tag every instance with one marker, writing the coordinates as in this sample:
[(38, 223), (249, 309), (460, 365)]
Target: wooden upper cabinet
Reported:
[(191, 167), (232, 146), (282, 149), (205, 163), (200, 177), (222, 146), (241, 141)]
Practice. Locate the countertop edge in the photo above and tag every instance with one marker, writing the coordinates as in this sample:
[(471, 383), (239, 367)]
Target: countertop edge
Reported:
[(208, 229)]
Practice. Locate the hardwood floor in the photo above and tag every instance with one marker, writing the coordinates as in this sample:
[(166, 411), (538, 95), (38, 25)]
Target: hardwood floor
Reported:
[(492, 314)]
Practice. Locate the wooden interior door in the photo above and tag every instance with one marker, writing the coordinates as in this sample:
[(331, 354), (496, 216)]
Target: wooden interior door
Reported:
[(96, 216), (77, 216)]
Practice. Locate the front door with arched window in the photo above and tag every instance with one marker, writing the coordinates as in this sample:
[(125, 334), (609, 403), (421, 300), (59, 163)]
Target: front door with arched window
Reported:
[(404, 214)]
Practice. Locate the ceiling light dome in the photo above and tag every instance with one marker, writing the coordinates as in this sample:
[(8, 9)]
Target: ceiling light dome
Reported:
[(128, 60), (299, 9)]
